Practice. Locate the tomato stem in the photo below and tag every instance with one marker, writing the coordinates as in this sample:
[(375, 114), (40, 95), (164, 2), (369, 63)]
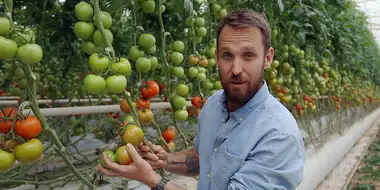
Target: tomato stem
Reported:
[(134, 35), (158, 129)]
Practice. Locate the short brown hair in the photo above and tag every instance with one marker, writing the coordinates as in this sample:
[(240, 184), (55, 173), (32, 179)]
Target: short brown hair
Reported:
[(245, 18)]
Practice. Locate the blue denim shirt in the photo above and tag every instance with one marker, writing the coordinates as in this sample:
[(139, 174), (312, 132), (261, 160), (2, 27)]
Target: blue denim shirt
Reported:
[(258, 147)]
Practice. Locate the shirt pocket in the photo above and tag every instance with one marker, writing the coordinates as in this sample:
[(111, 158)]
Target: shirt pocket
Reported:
[(226, 165)]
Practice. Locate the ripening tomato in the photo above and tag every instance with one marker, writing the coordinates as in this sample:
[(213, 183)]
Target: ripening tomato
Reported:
[(7, 160), (197, 101), (143, 103), (145, 115), (193, 60), (28, 128), (150, 89), (196, 111), (125, 107), (168, 134), (6, 125), (133, 134), (29, 152)]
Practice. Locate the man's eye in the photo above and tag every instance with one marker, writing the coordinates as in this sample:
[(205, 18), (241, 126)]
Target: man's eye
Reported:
[(227, 55), (249, 56)]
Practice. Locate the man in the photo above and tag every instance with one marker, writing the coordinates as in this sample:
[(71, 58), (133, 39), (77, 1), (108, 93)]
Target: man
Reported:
[(245, 139)]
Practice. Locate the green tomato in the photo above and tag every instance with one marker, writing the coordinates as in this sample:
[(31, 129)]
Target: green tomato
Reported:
[(8, 48), (199, 22), (148, 6), (211, 63), (98, 64), (147, 41), (123, 67), (143, 65), (179, 102), (109, 154), (222, 13), (182, 89), (99, 40), (176, 58), (181, 115), (90, 48), (218, 85), (7, 160), (84, 30), (193, 72), (5, 25), (211, 52), (135, 53), (84, 11), (215, 9), (178, 46), (178, 72), (106, 19), (201, 77), (116, 84), (22, 83), (19, 73), (201, 32), (30, 54), (94, 85), (202, 70), (153, 62)]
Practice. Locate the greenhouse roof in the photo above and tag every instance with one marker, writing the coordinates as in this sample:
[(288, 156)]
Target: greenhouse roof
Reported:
[(372, 9)]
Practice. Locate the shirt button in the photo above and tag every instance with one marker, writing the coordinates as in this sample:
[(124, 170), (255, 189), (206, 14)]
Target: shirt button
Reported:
[(222, 120), (208, 175), (215, 149), (241, 119)]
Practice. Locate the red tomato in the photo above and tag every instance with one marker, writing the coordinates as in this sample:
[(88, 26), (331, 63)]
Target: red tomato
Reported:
[(168, 134), (150, 89), (143, 103), (28, 128), (6, 125), (197, 102)]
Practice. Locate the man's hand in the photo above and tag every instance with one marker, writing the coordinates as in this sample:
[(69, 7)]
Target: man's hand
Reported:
[(139, 169), (157, 159)]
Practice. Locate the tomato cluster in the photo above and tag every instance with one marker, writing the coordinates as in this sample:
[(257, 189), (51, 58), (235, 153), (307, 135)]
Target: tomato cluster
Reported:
[(26, 150)]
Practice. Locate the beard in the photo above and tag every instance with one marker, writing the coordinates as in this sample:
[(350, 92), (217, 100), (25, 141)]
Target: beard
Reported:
[(242, 93)]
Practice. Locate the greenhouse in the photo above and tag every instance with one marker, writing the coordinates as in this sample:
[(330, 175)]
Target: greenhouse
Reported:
[(186, 94)]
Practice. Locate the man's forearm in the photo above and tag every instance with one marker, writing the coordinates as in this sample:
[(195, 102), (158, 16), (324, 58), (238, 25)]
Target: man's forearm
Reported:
[(183, 163)]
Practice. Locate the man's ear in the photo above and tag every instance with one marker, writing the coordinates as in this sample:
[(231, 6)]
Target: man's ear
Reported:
[(269, 58)]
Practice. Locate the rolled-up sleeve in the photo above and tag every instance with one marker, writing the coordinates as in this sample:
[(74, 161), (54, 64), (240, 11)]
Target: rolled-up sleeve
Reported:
[(277, 162)]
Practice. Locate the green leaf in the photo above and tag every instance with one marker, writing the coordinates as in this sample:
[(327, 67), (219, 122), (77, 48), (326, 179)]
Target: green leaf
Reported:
[(184, 8), (280, 5), (115, 5)]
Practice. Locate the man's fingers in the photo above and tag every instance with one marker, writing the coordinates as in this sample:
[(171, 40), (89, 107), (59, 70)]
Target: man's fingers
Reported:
[(144, 148), (133, 153), (156, 163), (113, 166), (107, 172), (150, 156)]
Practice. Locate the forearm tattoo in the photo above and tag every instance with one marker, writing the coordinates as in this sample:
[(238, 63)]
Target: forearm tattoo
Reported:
[(191, 162)]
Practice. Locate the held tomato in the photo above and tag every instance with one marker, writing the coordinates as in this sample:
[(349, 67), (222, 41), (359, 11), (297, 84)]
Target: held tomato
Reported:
[(125, 107), (6, 125), (30, 54), (150, 89), (109, 154), (169, 134), (8, 48), (122, 156), (133, 134), (5, 25), (116, 84), (98, 63), (28, 128), (7, 160), (145, 115), (84, 11), (29, 152), (83, 30), (143, 103)]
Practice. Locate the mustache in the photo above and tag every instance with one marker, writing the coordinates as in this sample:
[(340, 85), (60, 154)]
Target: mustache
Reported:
[(236, 79)]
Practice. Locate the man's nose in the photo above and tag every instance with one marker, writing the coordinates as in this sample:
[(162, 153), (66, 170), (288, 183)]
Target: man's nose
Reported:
[(237, 67)]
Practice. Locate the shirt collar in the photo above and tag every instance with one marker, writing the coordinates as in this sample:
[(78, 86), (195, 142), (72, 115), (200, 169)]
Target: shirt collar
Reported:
[(243, 112)]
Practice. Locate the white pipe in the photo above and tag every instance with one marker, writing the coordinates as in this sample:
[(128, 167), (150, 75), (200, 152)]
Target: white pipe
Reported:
[(84, 110), (9, 97), (318, 164)]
